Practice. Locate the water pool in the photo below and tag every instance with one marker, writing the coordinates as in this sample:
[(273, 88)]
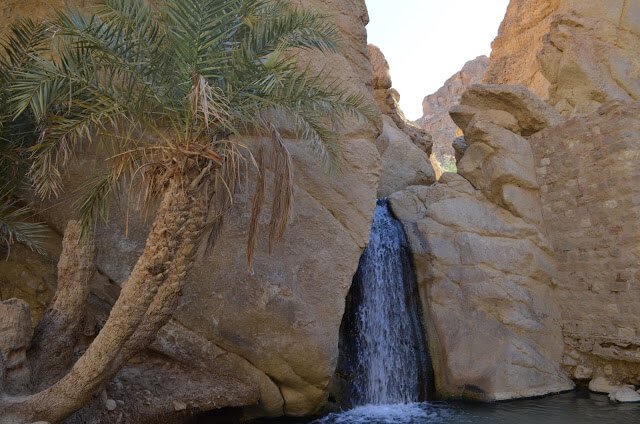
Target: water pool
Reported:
[(577, 407)]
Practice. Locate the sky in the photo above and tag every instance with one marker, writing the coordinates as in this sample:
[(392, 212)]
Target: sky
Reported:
[(427, 41)]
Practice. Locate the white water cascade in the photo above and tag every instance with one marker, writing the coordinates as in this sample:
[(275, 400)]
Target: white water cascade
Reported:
[(387, 352)]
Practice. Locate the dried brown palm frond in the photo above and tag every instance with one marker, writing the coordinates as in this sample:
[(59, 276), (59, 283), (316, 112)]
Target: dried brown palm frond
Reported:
[(283, 187)]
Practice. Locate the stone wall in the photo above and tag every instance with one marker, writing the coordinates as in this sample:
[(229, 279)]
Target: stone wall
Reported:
[(588, 170)]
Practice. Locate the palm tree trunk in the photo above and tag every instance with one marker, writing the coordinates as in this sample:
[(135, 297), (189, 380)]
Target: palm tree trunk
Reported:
[(57, 333), (146, 301)]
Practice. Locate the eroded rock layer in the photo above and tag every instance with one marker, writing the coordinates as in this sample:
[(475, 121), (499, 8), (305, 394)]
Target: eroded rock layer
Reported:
[(578, 54), (513, 53), (435, 107)]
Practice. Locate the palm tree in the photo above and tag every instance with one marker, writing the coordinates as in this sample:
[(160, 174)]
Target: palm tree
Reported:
[(16, 136), (172, 90)]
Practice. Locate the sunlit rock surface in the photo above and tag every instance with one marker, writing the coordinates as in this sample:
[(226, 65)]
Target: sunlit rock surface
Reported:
[(435, 107), (485, 268)]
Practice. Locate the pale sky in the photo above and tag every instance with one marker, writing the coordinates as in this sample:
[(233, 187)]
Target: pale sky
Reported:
[(427, 41)]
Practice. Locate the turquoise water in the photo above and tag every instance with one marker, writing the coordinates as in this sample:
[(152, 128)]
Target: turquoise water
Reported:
[(578, 407)]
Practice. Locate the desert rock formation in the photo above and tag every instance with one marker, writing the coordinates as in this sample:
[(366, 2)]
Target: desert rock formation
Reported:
[(484, 266), (583, 57), (513, 53), (404, 148), (578, 54), (435, 107)]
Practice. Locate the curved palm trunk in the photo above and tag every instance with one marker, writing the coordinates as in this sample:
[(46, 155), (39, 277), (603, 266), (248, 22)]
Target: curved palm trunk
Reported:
[(57, 333), (146, 302)]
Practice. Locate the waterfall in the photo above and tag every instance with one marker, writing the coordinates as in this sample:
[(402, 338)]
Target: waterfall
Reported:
[(387, 361)]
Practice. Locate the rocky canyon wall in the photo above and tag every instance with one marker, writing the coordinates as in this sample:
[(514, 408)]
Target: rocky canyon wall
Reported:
[(404, 148), (582, 56), (485, 268), (578, 54), (513, 54), (435, 107), (269, 332)]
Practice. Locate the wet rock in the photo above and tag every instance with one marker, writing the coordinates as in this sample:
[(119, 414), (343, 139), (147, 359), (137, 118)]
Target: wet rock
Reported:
[(624, 395), (602, 385)]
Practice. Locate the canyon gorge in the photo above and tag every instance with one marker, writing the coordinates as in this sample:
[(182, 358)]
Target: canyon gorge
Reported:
[(527, 260)]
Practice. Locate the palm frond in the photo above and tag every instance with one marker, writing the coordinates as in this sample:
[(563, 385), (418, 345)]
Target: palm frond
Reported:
[(16, 226), (170, 86), (25, 40)]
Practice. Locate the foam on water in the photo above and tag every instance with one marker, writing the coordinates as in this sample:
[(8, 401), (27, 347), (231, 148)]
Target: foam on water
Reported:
[(412, 413)]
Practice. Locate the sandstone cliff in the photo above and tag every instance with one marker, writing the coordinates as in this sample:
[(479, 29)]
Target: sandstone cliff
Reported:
[(435, 107), (578, 54), (404, 148), (583, 57), (485, 269), (513, 54)]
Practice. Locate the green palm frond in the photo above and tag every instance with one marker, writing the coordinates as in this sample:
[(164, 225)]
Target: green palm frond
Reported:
[(25, 41), (168, 85), (16, 226)]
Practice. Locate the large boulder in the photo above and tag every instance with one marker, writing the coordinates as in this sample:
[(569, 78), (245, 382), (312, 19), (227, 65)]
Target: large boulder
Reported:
[(499, 160), (435, 107), (486, 280), (403, 163), (485, 268)]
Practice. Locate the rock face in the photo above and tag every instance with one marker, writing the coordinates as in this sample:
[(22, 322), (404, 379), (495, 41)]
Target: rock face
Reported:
[(499, 160), (485, 268), (588, 169), (403, 147), (403, 163), (435, 107), (485, 278), (590, 56), (582, 56), (513, 53), (578, 54), (16, 331), (274, 327)]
